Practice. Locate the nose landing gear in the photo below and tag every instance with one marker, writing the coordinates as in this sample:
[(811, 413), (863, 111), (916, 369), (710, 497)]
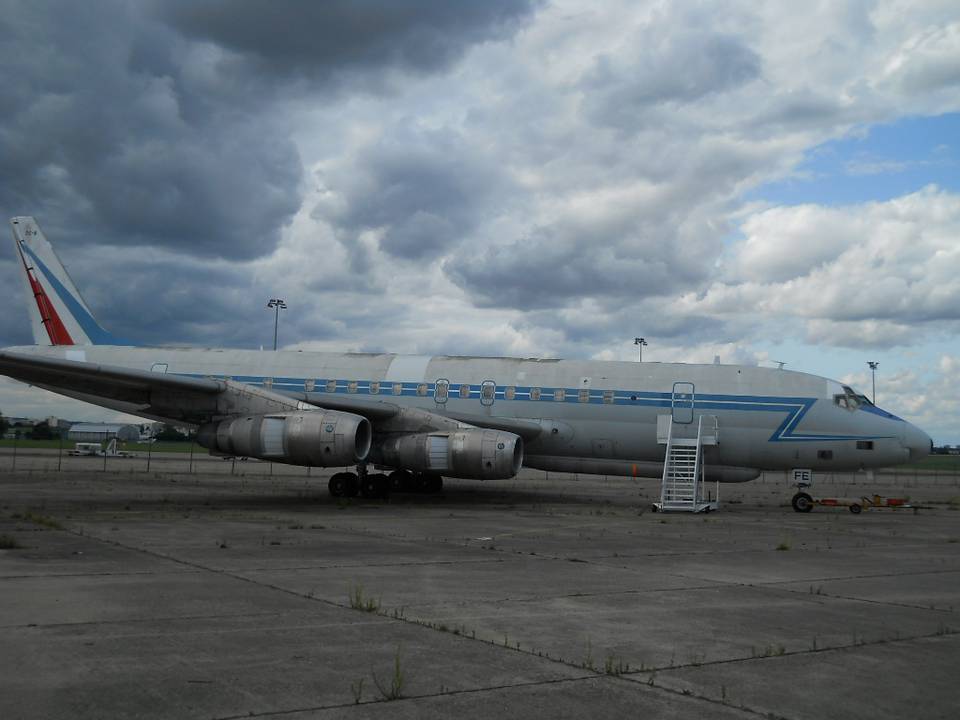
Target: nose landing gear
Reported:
[(802, 502)]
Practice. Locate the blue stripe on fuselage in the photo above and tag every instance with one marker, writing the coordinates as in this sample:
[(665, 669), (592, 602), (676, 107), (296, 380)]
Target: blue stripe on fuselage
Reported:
[(795, 407)]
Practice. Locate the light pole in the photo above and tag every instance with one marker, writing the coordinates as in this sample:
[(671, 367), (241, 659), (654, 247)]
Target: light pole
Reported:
[(873, 378), (277, 304), (640, 342)]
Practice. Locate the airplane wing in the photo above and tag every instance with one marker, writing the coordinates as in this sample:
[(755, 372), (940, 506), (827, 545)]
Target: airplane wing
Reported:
[(380, 410), (104, 381), (191, 399)]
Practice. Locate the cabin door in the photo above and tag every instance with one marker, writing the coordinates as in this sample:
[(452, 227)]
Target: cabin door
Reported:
[(682, 401)]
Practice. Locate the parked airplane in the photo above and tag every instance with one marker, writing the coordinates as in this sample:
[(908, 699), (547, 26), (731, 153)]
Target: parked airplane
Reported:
[(467, 417)]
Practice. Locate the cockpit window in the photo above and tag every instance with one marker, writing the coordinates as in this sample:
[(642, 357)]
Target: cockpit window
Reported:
[(850, 400)]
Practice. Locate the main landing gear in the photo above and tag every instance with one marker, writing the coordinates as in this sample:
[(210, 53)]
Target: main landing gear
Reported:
[(378, 485)]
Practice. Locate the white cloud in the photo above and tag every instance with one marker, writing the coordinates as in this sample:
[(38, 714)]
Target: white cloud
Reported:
[(872, 274)]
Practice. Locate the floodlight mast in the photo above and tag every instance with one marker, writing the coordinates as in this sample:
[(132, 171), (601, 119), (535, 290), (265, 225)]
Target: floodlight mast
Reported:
[(873, 378), (640, 342), (277, 304)]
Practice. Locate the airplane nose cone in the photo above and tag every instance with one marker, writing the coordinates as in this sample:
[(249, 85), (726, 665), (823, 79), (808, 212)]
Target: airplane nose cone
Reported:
[(917, 442)]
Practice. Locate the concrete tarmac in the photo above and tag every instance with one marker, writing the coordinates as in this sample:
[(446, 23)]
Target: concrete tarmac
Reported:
[(221, 593)]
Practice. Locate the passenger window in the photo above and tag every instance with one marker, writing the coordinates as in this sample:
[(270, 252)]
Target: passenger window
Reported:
[(464, 390), (608, 397), (488, 390), (864, 444), (374, 388), (583, 395), (352, 386), (559, 395), (308, 385), (442, 391), (509, 393), (422, 389), (398, 388), (331, 386), (824, 454), (534, 393)]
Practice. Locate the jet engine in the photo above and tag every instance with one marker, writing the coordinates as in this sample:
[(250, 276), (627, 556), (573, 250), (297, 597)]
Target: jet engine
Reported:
[(321, 438), (471, 453)]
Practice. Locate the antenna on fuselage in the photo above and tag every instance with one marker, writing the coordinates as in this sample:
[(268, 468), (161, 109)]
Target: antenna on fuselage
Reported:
[(780, 364)]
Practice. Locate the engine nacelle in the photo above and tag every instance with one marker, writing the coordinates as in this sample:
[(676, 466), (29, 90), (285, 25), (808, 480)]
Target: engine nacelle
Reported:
[(321, 438), (472, 453)]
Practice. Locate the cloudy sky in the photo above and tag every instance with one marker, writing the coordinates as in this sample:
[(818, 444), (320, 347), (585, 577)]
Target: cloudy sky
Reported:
[(760, 181)]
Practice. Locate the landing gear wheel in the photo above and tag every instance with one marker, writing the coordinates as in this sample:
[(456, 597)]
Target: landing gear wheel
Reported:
[(401, 480), (855, 509), (802, 502), (375, 486), (433, 483), (353, 486), (341, 484)]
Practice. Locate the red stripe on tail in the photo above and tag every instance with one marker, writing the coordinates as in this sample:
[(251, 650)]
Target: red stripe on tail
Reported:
[(48, 313)]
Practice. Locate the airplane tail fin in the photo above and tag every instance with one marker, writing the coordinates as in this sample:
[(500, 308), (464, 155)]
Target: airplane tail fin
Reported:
[(58, 313)]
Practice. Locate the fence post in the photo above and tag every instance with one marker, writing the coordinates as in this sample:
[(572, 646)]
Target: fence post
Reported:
[(60, 451)]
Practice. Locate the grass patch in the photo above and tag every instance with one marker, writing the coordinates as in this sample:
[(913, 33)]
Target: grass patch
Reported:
[(157, 447), (8, 542), (783, 546), (939, 463), (44, 520)]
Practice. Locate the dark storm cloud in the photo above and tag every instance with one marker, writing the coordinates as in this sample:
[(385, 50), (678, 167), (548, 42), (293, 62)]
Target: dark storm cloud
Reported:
[(14, 326), (319, 39), (553, 267), (109, 136), (180, 301), (670, 66), (425, 190), (137, 124)]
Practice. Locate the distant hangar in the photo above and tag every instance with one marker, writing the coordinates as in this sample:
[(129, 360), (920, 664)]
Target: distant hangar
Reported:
[(101, 432)]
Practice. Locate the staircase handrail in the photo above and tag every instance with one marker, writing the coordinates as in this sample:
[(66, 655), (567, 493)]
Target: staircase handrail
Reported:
[(666, 465)]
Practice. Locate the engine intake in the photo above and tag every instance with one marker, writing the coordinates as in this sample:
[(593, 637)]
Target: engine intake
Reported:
[(322, 438), (473, 453)]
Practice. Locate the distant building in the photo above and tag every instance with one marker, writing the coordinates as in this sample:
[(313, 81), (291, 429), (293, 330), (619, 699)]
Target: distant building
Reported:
[(98, 432)]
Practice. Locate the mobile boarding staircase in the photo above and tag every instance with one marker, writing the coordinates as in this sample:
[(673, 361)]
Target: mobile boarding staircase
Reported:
[(682, 487)]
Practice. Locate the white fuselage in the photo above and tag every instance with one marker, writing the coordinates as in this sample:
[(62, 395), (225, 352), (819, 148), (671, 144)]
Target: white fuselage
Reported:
[(597, 416)]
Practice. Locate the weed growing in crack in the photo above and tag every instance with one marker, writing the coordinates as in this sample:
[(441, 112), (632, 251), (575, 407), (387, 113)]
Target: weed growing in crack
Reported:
[(358, 601), (357, 690), (615, 666), (395, 689), (587, 663)]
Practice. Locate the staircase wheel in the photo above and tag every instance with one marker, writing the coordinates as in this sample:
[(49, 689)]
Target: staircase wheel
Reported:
[(802, 503)]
